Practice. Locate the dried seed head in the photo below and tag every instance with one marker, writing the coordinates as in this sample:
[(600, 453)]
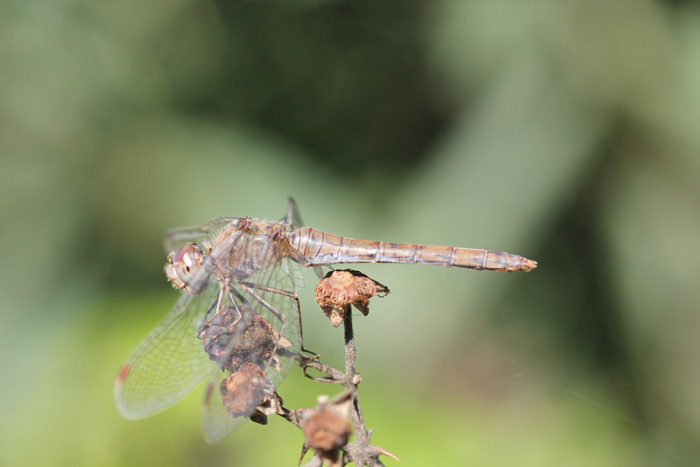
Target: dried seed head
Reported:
[(243, 391), (327, 428), (341, 288), (236, 336)]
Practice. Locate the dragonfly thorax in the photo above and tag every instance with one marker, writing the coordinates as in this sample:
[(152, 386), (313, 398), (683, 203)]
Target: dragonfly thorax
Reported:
[(182, 266), (249, 246)]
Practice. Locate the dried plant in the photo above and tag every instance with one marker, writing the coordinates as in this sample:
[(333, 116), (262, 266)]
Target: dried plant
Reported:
[(244, 348)]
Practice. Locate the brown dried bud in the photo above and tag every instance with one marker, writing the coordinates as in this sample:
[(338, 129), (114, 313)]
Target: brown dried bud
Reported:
[(246, 389), (239, 335), (341, 288), (327, 428)]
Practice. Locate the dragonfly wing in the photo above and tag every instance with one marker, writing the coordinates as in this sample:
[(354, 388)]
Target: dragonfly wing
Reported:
[(273, 286), (170, 362), (293, 219), (175, 238), (276, 285), (216, 421)]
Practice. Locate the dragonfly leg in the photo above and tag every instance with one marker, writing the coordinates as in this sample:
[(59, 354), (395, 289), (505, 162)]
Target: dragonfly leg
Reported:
[(238, 314), (224, 289), (249, 290), (217, 307), (291, 295), (205, 321)]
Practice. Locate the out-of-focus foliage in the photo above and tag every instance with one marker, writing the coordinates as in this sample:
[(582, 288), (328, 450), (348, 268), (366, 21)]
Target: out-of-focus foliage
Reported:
[(563, 131)]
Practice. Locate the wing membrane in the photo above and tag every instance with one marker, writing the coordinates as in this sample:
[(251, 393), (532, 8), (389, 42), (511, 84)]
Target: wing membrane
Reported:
[(280, 277), (216, 421), (175, 238), (170, 362), (293, 219)]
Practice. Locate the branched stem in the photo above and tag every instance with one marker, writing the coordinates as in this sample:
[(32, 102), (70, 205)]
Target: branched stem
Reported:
[(327, 428), (361, 453)]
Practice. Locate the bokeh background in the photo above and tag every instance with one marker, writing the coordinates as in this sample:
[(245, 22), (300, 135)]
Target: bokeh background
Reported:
[(566, 131)]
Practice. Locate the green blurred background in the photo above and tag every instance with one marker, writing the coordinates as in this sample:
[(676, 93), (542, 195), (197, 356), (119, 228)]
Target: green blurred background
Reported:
[(566, 131)]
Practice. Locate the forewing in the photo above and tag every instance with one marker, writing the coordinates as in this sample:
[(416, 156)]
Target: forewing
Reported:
[(174, 238), (170, 362)]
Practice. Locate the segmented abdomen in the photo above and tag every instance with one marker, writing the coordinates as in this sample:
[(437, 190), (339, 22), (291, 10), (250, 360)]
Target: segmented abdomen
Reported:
[(321, 248)]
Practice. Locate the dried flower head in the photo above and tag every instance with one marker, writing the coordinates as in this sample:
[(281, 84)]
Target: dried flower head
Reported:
[(236, 336), (249, 393), (341, 288), (327, 428)]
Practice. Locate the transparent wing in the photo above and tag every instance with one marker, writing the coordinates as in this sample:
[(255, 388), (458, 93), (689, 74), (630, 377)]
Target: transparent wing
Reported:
[(175, 238), (275, 287), (268, 293), (293, 219), (170, 362), (216, 421)]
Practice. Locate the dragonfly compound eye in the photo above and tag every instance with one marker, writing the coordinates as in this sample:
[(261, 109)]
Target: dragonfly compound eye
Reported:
[(183, 264)]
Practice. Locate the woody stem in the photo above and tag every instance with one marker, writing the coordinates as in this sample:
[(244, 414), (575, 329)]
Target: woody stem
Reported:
[(350, 383)]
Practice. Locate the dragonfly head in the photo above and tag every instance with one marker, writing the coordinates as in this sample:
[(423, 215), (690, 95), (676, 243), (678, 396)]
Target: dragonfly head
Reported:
[(182, 266)]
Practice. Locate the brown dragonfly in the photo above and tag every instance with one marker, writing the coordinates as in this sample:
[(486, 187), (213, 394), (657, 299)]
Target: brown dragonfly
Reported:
[(239, 309)]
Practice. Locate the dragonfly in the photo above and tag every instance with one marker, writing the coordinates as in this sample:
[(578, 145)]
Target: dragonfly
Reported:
[(238, 313)]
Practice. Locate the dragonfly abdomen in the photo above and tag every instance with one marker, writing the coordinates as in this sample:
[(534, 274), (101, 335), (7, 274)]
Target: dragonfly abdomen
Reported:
[(321, 248), (491, 260)]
